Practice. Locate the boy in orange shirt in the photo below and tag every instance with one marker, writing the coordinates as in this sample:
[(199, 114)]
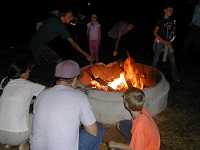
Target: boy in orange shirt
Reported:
[(141, 132)]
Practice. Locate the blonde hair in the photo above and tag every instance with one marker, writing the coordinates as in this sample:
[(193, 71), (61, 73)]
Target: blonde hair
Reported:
[(135, 98)]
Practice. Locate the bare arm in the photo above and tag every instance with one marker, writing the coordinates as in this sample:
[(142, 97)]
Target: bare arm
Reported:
[(92, 129), (113, 144), (76, 46), (119, 35), (99, 35)]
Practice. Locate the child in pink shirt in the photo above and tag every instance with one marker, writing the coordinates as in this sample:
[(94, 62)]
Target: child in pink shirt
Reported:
[(94, 37)]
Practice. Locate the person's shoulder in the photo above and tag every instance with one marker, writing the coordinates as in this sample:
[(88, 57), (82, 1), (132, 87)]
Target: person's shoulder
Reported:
[(80, 94), (172, 19), (160, 20), (52, 19), (89, 23), (122, 22), (98, 24), (33, 83)]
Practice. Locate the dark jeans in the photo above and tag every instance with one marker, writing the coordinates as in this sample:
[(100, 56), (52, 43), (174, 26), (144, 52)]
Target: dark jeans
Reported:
[(157, 51), (90, 142), (125, 127)]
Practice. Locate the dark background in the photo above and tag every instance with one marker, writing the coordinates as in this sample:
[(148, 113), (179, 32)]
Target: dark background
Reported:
[(179, 123), (18, 18), (18, 22)]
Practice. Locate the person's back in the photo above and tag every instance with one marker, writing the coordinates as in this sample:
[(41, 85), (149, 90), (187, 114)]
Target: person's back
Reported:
[(59, 111), (56, 123), (15, 103), (150, 137), (114, 40), (120, 26), (15, 99), (50, 29)]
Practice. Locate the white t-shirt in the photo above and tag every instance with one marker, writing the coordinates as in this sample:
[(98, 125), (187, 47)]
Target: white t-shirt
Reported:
[(15, 104), (58, 112)]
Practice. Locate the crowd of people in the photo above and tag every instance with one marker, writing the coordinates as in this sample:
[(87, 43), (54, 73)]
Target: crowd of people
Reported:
[(62, 116)]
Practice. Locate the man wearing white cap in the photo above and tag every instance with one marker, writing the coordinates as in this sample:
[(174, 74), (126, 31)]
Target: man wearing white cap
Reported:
[(59, 111)]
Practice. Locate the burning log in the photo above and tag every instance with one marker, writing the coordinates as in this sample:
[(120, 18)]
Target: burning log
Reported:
[(128, 81), (99, 80)]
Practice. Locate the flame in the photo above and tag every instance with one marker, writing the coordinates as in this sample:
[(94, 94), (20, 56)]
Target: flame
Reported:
[(119, 83), (131, 74), (129, 77)]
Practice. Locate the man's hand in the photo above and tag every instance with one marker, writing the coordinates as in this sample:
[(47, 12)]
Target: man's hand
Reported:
[(89, 58), (114, 53)]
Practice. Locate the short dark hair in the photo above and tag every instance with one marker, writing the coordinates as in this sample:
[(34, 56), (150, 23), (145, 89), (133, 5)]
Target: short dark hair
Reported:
[(64, 11), (168, 5), (131, 20)]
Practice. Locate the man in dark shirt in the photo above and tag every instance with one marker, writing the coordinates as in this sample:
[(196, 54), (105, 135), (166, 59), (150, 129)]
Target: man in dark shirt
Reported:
[(47, 32)]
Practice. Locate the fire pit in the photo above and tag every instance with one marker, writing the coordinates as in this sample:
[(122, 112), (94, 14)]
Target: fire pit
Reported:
[(105, 84)]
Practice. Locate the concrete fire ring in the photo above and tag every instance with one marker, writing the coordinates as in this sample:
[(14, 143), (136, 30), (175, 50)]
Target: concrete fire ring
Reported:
[(108, 106)]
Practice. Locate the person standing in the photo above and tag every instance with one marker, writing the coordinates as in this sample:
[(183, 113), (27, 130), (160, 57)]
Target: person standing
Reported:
[(164, 33), (60, 110), (50, 29), (16, 96), (94, 37), (141, 132), (194, 32), (115, 35)]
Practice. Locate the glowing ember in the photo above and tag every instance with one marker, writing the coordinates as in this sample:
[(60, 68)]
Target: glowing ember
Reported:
[(118, 77)]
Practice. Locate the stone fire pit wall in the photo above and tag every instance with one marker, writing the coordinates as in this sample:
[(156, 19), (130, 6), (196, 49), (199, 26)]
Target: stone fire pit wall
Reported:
[(108, 106)]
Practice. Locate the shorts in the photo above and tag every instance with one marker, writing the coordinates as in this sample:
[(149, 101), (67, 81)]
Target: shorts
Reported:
[(16, 138)]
